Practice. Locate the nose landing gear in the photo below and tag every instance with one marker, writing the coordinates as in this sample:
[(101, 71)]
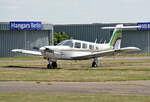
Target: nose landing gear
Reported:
[(52, 64)]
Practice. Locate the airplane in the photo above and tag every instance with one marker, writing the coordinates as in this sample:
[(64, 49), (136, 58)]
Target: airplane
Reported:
[(82, 50)]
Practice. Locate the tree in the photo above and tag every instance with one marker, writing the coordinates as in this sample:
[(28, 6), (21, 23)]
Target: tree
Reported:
[(60, 36)]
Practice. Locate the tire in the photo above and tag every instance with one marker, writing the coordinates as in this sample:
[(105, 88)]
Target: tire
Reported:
[(54, 65), (94, 64), (49, 66)]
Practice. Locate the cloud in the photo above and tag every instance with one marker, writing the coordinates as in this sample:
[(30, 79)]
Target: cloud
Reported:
[(8, 4), (133, 2), (74, 11)]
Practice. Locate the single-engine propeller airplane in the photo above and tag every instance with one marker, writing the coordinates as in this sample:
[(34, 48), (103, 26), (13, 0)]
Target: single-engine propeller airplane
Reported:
[(82, 50)]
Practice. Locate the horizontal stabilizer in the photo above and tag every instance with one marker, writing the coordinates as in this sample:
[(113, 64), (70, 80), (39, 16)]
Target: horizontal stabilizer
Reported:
[(36, 53), (123, 27), (129, 49)]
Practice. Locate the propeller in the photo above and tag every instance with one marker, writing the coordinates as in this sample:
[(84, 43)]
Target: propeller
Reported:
[(49, 50), (44, 49)]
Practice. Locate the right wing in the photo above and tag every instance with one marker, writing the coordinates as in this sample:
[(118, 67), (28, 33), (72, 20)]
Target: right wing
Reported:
[(36, 53)]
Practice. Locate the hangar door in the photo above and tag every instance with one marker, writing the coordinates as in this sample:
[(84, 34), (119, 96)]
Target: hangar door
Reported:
[(138, 39), (21, 40)]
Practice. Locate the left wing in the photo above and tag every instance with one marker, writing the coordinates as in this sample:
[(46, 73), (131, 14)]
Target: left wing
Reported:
[(36, 53), (107, 53)]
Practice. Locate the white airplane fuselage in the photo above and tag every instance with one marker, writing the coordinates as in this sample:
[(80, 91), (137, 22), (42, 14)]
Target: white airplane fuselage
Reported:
[(63, 52)]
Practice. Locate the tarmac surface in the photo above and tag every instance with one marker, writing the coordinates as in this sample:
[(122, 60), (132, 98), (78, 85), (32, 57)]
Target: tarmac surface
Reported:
[(122, 87)]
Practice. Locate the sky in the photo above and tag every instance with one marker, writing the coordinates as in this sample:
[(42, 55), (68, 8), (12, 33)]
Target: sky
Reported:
[(75, 11)]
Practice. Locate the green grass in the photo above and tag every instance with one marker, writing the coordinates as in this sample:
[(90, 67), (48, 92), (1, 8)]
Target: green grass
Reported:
[(46, 97), (75, 71), (12, 69), (135, 84), (77, 75), (135, 55)]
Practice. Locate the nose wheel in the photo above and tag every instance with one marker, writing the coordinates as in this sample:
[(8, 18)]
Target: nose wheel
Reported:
[(95, 63), (52, 65), (49, 66)]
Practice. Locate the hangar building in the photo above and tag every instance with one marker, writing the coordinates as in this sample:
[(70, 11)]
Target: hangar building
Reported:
[(24, 35), (90, 32)]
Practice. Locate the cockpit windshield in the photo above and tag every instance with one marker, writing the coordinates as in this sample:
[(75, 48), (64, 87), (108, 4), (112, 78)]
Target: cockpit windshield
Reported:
[(66, 43)]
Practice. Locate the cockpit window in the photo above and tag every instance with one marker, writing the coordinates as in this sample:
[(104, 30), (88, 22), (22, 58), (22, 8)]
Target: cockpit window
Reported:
[(66, 43), (77, 45), (61, 43)]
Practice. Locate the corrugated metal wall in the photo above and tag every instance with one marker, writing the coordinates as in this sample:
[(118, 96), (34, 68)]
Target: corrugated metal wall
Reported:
[(89, 32), (23, 39), (136, 38), (36, 39), (10, 40), (84, 32)]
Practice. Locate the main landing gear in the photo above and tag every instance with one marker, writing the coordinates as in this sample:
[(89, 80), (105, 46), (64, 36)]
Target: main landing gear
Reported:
[(95, 63), (52, 65)]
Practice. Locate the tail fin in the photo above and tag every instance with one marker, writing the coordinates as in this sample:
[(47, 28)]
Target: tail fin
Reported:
[(115, 40)]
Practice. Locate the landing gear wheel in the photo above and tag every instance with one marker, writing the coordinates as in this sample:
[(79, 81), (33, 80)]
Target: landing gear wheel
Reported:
[(54, 65), (49, 66), (95, 63)]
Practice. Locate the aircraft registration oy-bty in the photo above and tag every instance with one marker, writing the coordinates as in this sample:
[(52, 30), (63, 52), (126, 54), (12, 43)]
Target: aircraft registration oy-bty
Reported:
[(82, 50)]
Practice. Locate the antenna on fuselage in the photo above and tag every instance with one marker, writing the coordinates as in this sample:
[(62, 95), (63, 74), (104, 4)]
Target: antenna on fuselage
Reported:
[(104, 41), (95, 40), (95, 43)]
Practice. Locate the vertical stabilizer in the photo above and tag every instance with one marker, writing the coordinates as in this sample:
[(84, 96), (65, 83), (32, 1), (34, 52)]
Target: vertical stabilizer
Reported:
[(115, 41)]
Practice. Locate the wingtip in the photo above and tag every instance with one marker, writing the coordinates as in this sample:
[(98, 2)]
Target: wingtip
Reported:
[(138, 49), (16, 50)]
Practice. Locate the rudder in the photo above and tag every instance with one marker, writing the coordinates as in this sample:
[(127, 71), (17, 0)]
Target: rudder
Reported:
[(115, 41)]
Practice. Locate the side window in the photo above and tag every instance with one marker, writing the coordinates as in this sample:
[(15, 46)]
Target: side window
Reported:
[(84, 45), (91, 47), (77, 45)]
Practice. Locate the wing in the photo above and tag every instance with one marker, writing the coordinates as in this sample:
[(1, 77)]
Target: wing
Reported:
[(107, 53), (36, 53)]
